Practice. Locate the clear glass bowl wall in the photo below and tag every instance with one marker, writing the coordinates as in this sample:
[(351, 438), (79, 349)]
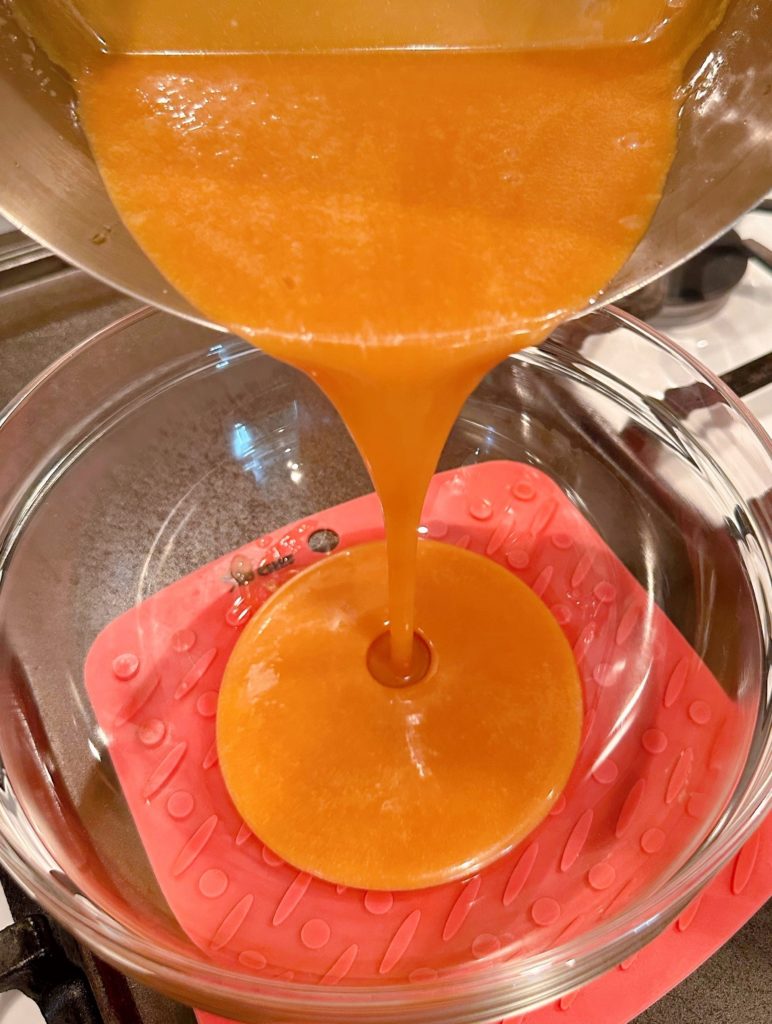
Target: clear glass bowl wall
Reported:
[(157, 446)]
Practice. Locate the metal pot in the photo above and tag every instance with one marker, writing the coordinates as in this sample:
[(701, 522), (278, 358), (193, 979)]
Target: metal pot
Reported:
[(50, 185)]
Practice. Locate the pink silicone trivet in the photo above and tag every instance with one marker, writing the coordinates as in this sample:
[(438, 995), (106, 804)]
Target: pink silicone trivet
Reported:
[(643, 792)]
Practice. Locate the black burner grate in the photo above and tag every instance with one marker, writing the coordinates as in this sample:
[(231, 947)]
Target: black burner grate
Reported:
[(68, 983)]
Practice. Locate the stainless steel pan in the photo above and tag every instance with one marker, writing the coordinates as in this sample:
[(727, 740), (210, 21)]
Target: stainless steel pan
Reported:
[(50, 186)]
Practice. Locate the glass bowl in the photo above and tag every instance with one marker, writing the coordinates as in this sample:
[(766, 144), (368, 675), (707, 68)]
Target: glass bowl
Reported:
[(157, 446)]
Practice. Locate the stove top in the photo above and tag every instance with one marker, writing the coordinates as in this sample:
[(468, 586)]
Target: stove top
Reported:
[(718, 307)]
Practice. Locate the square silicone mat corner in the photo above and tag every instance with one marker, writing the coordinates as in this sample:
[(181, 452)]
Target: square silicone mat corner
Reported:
[(643, 786)]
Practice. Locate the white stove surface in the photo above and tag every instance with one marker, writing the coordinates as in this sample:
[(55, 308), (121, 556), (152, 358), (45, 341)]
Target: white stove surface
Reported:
[(738, 333), (742, 329)]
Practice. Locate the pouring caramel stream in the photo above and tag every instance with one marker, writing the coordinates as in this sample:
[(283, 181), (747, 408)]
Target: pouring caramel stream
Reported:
[(394, 224)]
